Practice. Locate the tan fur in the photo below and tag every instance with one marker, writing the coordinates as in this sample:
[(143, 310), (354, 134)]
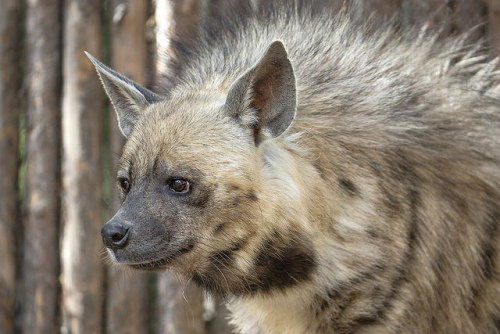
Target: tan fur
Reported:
[(376, 211)]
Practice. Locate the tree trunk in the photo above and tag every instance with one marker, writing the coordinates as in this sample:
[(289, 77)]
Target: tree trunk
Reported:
[(494, 28), (9, 138), (127, 307), (386, 8), (40, 260), (180, 307), (468, 17), (447, 16), (179, 20), (82, 251), (431, 14), (164, 17)]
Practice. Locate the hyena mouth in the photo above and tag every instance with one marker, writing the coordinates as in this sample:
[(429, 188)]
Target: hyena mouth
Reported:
[(153, 265), (161, 263)]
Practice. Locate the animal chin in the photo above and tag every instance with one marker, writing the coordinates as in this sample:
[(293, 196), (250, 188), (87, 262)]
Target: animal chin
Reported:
[(160, 263), (152, 265)]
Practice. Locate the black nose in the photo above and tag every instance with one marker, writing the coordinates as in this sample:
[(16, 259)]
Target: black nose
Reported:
[(114, 235)]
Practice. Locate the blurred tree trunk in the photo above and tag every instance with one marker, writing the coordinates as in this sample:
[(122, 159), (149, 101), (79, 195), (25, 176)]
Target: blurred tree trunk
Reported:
[(9, 138), (469, 17), (128, 292), (187, 20), (364, 10), (177, 20), (449, 16), (82, 115), (494, 20), (433, 14), (41, 240), (385, 8), (180, 308)]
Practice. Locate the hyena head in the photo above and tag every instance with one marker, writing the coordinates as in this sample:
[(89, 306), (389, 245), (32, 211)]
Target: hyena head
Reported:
[(195, 193)]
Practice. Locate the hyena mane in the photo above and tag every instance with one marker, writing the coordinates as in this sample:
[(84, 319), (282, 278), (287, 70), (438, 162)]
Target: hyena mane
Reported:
[(322, 174)]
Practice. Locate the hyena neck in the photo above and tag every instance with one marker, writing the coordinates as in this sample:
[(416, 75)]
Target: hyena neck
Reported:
[(279, 254), (280, 283)]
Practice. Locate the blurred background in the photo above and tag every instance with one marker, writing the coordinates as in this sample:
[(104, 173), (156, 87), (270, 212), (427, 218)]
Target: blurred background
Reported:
[(59, 144)]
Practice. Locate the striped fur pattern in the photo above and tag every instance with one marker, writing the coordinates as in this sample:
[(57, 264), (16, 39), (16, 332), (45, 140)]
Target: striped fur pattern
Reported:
[(376, 211)]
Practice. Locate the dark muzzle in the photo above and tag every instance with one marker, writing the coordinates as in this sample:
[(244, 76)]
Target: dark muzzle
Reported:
[(114, 234)]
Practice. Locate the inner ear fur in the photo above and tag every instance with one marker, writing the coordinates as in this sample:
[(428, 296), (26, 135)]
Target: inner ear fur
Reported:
[(265, 97)]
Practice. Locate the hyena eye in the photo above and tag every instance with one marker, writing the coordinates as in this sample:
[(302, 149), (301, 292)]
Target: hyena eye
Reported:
[(124, 184), (179, 186)]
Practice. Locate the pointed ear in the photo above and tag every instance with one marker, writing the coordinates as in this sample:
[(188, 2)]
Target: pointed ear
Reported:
[(128, 98), (265, 97)]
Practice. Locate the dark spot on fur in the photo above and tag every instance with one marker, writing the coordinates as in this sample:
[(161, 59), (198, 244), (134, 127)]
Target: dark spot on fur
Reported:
[(201, 282), (187, 249), (365, 320), (281, 264), (234, 188), (324, 304), (219, 228), (497, 323), (331, 293), (200, 199), (348, 186), (373, 233), (487, 261), (401, 277), (414, 197), (251, 195)]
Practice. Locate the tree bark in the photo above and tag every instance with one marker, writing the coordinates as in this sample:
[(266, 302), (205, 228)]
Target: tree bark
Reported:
[(180, 309), (164, 17), (40, 260), (9, 139), (82, 250), (127, 307), (447, 16), (469, 17), (179, 20), (186, 21), (385, 8), (494, 25)]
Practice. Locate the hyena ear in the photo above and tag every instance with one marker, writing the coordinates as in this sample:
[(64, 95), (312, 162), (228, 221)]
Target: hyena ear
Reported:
[(128, 98), (265, 97)]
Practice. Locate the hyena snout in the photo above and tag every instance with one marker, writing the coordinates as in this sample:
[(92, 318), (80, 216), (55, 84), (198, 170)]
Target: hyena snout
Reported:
[(115, 234)]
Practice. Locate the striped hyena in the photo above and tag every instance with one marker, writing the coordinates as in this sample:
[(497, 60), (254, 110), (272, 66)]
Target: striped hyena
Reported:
[(321, 175)]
